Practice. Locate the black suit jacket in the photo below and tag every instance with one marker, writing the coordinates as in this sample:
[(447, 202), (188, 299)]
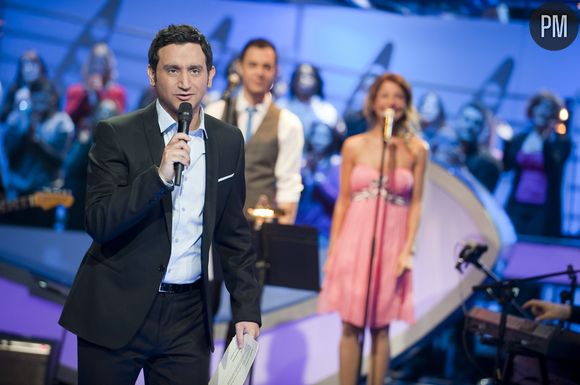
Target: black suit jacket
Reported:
[(128, 215)]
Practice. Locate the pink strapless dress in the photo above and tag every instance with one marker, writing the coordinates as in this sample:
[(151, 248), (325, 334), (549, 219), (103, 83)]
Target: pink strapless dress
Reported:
[(345, 284)]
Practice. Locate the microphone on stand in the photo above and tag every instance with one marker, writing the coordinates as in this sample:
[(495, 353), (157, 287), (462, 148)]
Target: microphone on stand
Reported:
[(233, 81), (227, 96), (389, 119), (470, 253), (184, 115)]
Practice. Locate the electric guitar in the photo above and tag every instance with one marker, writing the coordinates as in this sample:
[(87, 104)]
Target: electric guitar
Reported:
[(45, 200)]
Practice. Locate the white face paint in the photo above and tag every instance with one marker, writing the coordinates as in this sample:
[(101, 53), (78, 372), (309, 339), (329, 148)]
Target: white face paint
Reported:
[(307, 83), (542, 113), (470, 123), (429, 109), (30, 71)]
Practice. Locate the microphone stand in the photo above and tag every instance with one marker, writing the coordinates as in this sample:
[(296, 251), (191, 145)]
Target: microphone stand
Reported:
[(504, 298), (229, 111), (473, 258), (372, 257), (518, 281), (568, 295), (228, 97), (506, 293)]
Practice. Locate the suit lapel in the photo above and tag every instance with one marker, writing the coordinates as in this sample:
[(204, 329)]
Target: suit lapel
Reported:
[(211, 171), (156, 146)]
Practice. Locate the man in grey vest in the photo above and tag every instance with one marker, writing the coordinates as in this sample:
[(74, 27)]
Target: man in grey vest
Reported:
[(274, 136), (274, 140)]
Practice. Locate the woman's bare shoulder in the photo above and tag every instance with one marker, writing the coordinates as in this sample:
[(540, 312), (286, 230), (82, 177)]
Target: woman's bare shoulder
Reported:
[(418, 144)]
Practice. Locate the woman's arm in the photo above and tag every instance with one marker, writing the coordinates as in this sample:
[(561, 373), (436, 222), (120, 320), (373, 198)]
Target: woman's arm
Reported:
[(414, 213), (343, 201)]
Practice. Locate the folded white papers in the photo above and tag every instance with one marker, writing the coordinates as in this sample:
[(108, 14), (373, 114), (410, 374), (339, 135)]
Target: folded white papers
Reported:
[(236, 363)]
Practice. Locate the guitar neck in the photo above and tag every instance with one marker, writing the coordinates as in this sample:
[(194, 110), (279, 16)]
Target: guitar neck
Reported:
[(20, 203)]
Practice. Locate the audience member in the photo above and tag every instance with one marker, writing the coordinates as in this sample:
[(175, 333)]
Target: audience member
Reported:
[(36, 143), (307, 100), (99, 73), (31, 70), (77, 160), (434, 129), (538, 156), (472, 132), (320, 176)]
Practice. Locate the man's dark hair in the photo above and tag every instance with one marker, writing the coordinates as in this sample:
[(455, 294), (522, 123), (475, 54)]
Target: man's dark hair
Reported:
[(258, 43), (179, 34)]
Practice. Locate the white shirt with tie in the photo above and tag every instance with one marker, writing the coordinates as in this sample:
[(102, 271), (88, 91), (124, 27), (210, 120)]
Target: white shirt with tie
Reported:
[(290, 143)]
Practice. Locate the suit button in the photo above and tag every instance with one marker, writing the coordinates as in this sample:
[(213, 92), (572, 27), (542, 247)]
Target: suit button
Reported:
[(161, 267)]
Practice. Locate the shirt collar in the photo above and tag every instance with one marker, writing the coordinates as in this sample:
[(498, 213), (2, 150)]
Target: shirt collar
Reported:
[(166, 121), (242, 104)]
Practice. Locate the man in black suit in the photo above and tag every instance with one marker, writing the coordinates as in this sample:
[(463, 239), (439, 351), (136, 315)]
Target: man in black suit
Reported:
[(140, 297), (472, 131)]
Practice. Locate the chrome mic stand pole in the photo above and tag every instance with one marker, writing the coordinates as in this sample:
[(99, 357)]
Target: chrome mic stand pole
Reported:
[(568, 295), (386, 136), (229, 98)]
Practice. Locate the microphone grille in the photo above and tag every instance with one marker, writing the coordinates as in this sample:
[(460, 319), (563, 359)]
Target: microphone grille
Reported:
[(389, 112), (234, 78), (185, 111)]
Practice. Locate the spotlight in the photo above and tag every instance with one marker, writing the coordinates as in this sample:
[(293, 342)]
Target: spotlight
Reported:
[(561, 128), (564, 114)]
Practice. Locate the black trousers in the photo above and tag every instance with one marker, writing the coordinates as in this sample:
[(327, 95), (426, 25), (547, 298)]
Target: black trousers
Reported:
[(171, 347)]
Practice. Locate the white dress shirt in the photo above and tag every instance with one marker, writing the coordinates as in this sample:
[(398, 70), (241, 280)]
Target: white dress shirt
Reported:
[(290, 143), (188, 200)]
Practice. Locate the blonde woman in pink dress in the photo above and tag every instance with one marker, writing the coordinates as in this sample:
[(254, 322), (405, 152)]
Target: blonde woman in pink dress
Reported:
[(347, 268)]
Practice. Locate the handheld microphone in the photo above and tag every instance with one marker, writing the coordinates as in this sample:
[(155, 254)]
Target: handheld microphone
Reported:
[(470, 253), (389, 119), (184, 115)]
